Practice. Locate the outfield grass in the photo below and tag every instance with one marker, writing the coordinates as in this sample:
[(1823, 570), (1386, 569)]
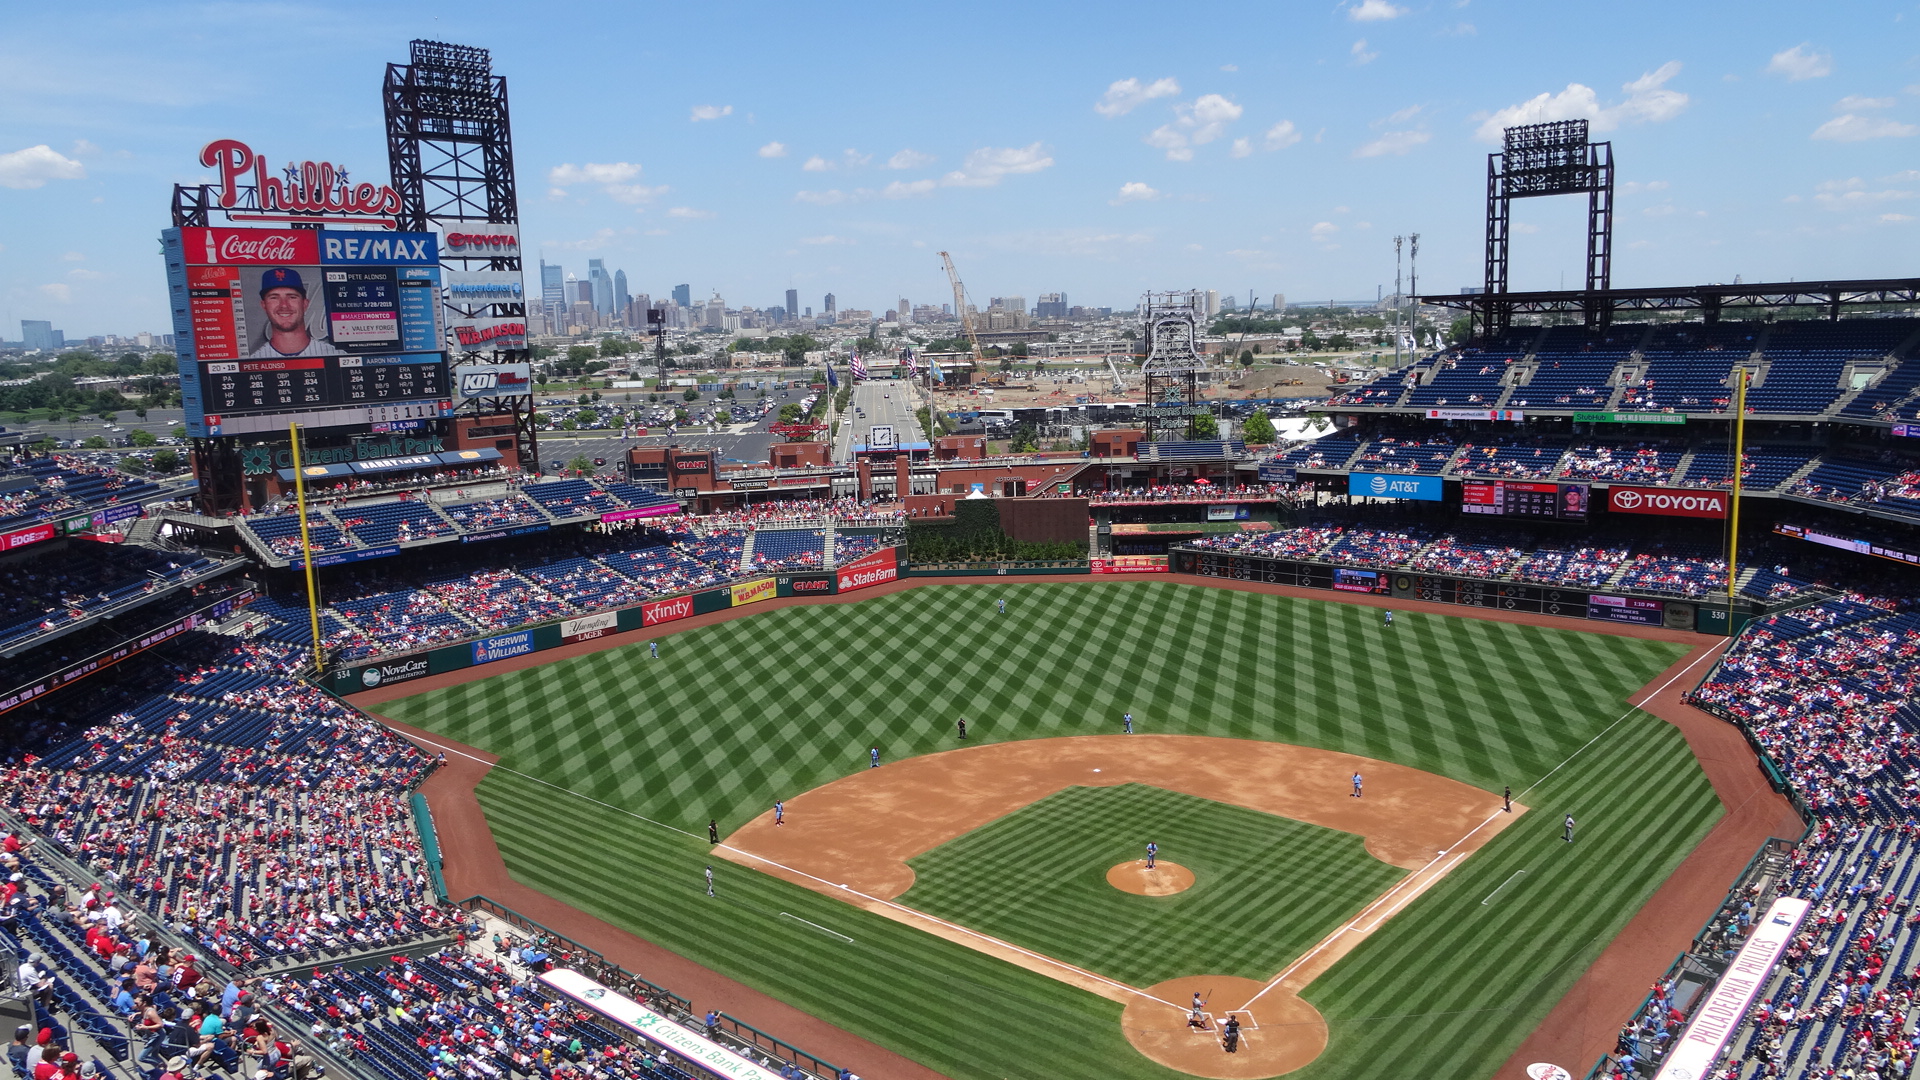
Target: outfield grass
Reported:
[(1265, 888), (733, 716)]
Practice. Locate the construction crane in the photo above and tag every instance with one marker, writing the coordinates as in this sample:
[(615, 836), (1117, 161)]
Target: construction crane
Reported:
[(960, 306)]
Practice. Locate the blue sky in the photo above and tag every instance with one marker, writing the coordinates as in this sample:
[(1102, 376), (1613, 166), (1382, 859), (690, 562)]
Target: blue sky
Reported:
[(1100, 150)]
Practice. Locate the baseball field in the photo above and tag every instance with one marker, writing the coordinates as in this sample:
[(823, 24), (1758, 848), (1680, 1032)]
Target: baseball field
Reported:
[(611, 766)]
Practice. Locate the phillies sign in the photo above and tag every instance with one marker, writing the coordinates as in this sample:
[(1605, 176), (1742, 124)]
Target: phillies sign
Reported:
[(1668, 502), (308, 188)]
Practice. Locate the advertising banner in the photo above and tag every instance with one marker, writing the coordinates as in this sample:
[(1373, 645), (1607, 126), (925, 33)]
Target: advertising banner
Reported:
[(30, 535), (1347, 579), (101, 661), (493, 380), (752, 592), (1475, 414), (497, 534), (1628, 418), (471, 288), (1906, 431), (479, 240), (469, 334), (1847, 543), (1227, 512), (710, 1058), (1518, 498), (413, 667), (806, 585), (655, 612), (1716, 1020), (1132, 564), (1668, 502), (1395, 486), (336, 558), (487, 650), (656, 510), (877, 568), (1626, 609), (1278, 474), (588, 627)]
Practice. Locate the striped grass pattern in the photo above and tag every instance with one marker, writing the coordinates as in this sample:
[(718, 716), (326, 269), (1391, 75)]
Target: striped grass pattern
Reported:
[(1265, 888), (734, 716)]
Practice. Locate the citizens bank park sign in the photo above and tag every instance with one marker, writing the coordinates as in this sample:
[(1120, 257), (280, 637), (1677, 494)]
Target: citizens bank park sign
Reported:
[(1667, 502)]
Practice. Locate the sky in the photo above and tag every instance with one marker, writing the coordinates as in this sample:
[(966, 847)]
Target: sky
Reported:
[(1097, 150)]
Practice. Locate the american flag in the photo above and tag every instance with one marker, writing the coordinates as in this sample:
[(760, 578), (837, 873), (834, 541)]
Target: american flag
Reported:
[(857, 366), (913, 367)]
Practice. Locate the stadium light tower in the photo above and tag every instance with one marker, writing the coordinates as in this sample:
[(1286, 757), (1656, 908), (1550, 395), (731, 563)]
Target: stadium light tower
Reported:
[(1550, 159)]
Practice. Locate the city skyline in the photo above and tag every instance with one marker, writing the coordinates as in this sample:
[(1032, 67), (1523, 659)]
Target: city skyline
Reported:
[(1081, 157)]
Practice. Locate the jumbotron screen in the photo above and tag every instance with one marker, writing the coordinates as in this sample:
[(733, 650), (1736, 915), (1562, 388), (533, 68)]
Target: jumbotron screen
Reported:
[(325, 328), (1514, 498)]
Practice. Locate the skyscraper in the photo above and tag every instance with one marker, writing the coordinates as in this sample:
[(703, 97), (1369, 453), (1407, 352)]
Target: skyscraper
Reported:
[(621, 298), (904, 312), (40, 334), (1052, 305), (602, 286), (553, 289), (793, 303), (683, 295), (830, 309)]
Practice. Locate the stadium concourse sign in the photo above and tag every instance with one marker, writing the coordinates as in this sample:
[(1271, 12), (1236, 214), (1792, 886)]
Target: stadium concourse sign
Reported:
[(1628, 418), (1395, 486), (1476, 414), (705, 1055), (1667, 502), (1693, 1055)]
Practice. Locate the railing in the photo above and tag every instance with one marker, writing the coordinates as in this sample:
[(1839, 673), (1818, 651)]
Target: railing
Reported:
[(590, 961)]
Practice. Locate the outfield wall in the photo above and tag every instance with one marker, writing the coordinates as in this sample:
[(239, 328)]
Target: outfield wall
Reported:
[(881, 566), (1700, 616)]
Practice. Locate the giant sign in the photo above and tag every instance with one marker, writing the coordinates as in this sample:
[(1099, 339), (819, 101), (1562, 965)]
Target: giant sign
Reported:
[(1668, 502), (877, 568), (1395, 486), (318, 327)]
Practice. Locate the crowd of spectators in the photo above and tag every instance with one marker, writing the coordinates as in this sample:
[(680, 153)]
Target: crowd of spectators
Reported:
[(1628, 465), (56, 589), (1198, 492), (484, 514)]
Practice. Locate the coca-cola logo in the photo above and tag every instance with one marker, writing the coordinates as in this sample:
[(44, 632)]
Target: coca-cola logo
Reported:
[(271, 247)]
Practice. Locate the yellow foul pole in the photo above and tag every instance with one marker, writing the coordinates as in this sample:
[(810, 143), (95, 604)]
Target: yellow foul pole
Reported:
[(1733, 507), (306, 546)]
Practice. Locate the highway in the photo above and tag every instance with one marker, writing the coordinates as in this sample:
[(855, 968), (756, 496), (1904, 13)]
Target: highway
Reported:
[(884, 403)]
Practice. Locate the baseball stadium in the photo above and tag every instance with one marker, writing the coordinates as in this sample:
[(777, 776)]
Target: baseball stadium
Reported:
[(1543, 706)]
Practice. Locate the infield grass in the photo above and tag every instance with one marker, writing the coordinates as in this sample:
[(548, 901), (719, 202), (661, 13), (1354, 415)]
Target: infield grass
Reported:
[(1265, 888), (734, 716)]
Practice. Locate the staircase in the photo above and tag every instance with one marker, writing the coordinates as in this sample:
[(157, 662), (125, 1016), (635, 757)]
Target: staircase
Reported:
[(826, 549), (1746, 577), (746, 553), (1799, 474), (1680, 469), (1614, 579)]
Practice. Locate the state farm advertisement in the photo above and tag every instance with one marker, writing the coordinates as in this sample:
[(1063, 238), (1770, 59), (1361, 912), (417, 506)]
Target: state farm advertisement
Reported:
[(663, 611), (1668, 502), (881, 566)]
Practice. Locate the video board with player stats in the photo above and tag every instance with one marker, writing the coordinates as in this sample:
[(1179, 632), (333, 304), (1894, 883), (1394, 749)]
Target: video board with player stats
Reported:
[(1515, 498), (324, 328)]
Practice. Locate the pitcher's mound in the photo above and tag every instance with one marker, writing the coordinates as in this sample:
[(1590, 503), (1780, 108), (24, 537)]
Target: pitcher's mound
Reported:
[(1164, 879), (1278, 1032)]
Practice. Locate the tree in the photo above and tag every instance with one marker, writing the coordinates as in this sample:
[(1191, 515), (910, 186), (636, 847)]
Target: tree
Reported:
[(679, 417), (1206, 427), (613, 346), (587, 418), (95, 442), (1019, 348), (691, 394), (569, 424), (581, 464), (790, 413), (142, 437), (689, 349), (578, 355), (1025, 439), (165, 461), (1461, 326), (178, 431), (1246, 357), (1258, 428)]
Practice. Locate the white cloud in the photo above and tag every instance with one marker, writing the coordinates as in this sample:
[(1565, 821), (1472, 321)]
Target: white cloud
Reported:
[(82, 148), (1197, 124), (83, 274), (1360, 53), (1854, 102), (1229, 67), (1403, 115), (598, 240), (34, 166), (909, 159), (1800, 63), (854, 159), (73, 256), (825, 241), (709, 112), (985, 167), (1282, 135), (1635, 187), (1523, 228), (1647, 101), (1662, 210), (774, 149), (1242, 147), (1854, 128), (1896, 217), (821, 198), (689, 212), (1323, 230), (816, 163), (1126, 95), (1134, 191), (1393, 142), (907, 190), (1852, 193), (556, 193), (635, 193), (592, 173), (58, 292), (1374, 11)]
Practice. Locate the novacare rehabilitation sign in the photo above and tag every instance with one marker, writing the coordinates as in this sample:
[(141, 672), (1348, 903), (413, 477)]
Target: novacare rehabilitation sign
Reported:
[(653, 1027)]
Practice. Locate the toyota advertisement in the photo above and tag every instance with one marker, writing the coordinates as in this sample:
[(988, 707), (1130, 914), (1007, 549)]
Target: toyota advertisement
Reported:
[(875, 569), (1667, 502)]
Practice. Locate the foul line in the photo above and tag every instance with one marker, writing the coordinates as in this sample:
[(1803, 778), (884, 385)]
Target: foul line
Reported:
[(955, 927), (1354, 925), (1503, 885), (818, 927)]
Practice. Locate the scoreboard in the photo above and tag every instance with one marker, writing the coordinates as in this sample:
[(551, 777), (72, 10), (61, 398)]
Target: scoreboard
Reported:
[(323, 328), (1515, 498)]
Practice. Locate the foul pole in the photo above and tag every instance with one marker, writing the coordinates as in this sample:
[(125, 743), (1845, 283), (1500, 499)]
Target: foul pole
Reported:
[(306, 548)]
